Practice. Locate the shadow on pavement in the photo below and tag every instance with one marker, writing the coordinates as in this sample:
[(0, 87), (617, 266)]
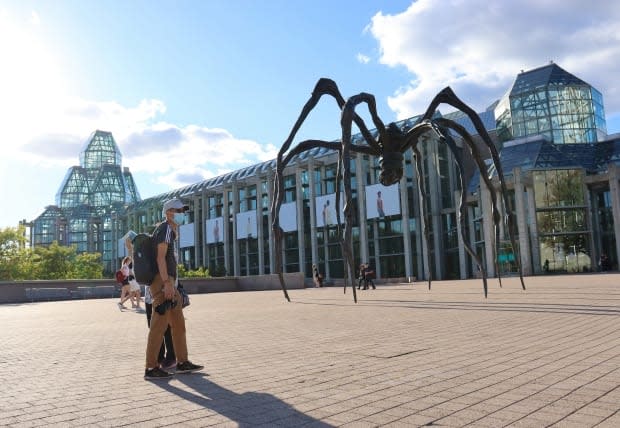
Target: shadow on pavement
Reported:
[(559, 308), (249, 409)]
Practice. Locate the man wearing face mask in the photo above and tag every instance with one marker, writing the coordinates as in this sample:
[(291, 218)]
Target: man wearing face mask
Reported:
[(167, 308)]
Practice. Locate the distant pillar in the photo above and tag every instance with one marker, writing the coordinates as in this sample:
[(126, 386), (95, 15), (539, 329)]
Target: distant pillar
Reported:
[(521, 220), (614, 192)]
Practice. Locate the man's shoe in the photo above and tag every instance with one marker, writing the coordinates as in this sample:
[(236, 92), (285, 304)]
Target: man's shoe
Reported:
[(188, 367), (168, 364), (156, 373)]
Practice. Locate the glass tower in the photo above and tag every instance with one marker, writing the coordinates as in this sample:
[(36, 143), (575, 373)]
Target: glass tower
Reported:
[(550, 101), (88, 196)]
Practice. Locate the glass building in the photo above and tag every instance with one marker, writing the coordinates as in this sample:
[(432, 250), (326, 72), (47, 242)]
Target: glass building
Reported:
[(562, 176), (88, 201), (552, 102)]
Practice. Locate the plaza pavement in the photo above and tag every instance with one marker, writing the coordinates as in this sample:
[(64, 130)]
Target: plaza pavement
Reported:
[(403, 356)]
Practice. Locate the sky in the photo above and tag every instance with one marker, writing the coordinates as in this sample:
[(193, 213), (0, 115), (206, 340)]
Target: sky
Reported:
[(194, 89)]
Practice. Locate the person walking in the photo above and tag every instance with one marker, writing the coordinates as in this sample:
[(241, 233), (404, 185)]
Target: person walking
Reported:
[(316, 275), (362, 277), (369, 276), (134, 287), (167, 302), (125, 287)]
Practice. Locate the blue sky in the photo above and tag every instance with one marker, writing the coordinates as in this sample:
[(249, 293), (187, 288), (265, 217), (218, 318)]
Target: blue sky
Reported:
[(194, 89)]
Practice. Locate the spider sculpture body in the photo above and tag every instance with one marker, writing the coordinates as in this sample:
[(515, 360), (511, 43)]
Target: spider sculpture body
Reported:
[(390, 146)]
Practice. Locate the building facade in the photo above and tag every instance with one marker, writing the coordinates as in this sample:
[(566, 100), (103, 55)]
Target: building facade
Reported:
[(560, 166)]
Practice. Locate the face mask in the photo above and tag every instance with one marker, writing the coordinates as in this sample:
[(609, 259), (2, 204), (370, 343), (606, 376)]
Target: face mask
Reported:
[(179, 217)]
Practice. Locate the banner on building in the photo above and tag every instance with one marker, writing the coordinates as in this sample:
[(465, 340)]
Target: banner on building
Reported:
[(186, 235), (246, 225), (215, 230), (326, 210), (382, 201), (288, 217)]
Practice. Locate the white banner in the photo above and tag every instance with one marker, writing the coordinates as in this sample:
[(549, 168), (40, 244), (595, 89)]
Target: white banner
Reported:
[(215, 230), (382, 201), (186, 235), (288, 216), (326, 209), (246, 225)]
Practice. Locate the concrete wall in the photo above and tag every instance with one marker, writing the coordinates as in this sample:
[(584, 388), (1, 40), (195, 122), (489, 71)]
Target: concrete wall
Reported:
[(36, 291)]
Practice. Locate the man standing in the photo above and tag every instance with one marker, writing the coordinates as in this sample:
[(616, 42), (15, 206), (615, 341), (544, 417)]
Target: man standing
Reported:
[(166, 298)]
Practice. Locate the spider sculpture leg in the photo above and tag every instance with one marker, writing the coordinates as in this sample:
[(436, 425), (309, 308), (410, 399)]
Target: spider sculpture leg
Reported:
[(412, 139), (447, 96), (424, 214), (463, 207), (475, 153), (278, 197), (373, 148), (323, 87)]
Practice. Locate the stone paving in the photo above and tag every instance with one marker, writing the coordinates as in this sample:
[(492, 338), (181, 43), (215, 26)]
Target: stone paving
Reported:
[(402, 356)]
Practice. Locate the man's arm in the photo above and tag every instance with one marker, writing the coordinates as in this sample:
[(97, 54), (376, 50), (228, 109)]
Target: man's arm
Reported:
[(162, 248)]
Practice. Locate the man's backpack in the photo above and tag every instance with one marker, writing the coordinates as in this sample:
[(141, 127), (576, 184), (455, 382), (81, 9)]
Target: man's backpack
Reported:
[(120, 278), (144, 258)]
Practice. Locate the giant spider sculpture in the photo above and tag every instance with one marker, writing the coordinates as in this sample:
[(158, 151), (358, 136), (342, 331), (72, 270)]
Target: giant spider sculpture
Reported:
[(389, 147)]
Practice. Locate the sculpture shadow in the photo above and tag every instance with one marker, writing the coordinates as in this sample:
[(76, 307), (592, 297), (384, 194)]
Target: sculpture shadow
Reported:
[(248, 409), (559, 308)]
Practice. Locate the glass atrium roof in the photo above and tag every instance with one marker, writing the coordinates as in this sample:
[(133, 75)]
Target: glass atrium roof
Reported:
[(539, 153), (551, 101)]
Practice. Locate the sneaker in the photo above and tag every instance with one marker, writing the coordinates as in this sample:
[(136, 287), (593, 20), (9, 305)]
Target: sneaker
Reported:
[(120, 306), (156, 373), (168, 364), (188, 367)]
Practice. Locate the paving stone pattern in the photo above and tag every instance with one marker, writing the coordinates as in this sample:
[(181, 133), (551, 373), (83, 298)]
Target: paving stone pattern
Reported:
[(403, 356)]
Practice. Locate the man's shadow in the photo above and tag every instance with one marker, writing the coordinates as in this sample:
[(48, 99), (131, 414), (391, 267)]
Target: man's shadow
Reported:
[(247, 409)]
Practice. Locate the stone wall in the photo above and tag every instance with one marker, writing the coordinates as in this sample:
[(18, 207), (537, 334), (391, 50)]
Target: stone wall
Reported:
[(36, 291)]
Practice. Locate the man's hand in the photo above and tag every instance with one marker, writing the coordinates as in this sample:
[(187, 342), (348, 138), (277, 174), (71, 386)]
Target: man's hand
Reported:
[(168, 289)]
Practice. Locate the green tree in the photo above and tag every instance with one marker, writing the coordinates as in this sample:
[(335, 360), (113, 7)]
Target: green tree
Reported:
[(55, 261), (12, 253), (88, 266), (60, 262)]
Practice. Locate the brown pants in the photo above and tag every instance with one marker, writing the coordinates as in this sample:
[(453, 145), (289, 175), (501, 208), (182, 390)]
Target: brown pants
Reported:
[(159, 323)]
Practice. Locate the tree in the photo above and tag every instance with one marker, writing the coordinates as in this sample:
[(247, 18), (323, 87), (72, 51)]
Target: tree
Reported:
[(87, 266), (12, 253), (55, 261)]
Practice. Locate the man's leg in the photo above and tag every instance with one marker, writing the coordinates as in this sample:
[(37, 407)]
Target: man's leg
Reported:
[(159, 323), (177, 328), (169, 346)]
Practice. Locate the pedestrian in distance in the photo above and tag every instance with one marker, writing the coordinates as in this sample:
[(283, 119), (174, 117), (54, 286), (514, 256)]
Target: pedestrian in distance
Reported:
[(316, 275), (369, 276), (124, 283), (362, 277)]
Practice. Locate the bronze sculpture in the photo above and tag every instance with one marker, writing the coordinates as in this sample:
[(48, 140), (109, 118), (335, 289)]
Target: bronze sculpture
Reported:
[(389, 147)]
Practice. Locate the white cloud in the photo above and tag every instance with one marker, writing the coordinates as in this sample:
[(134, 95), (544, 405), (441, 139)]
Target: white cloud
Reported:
[(478, 48), (171, 155), (34, 18), (363, 59), (190, 154), (44, 127)]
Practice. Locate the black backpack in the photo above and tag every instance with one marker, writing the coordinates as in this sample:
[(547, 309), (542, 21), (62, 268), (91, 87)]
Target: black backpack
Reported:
[(144, 258)]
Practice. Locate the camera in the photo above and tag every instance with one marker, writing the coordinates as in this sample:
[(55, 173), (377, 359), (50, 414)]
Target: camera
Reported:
[(163, 307)]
